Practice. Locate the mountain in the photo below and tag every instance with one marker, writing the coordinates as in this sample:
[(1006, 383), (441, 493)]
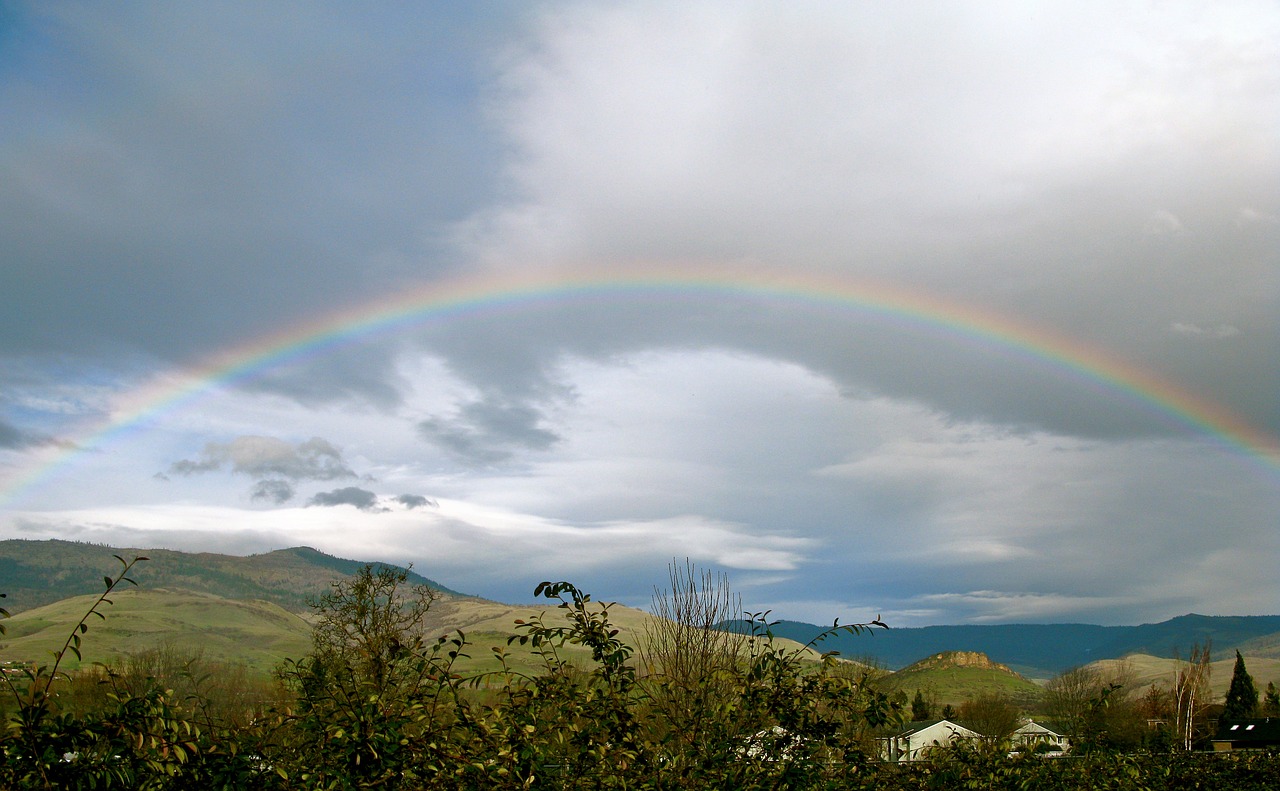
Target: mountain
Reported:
[(1046, 649), (243, 609), (34, 573)]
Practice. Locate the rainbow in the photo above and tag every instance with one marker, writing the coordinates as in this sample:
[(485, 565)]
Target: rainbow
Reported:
[(464, 298)]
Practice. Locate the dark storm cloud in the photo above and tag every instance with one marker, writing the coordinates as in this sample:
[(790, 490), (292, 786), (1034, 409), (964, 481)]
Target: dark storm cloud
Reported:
[(488, 432), (272, 490), (316, 459), (363, 499), (14, 438), (412, 501), (179, 179), (312, 153)]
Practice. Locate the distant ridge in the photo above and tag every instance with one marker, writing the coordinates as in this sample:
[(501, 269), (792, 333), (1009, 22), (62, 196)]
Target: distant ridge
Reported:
[(1046, 649), (35, 573)]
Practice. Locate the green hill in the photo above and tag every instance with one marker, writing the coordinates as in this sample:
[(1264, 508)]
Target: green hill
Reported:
[(956, 676), (256, 633), (34, 573)]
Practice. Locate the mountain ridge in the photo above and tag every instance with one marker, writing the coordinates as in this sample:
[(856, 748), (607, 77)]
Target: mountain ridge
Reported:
[(39, 572), (1046, 649)]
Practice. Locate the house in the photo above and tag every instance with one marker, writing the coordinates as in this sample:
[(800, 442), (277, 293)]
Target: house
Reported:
[(1040, 737), (1257, 734), (915, 739)]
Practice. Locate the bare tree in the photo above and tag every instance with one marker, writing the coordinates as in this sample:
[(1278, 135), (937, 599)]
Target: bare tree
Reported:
[(689, 654), (691, 638), (992, 715), (1067, 695), (1191, 694)]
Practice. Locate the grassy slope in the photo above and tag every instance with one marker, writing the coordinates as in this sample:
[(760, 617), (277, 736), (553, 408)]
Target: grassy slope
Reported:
[(257, 633), (955, 685), (1147, 670), (262, 634), (35, 573)]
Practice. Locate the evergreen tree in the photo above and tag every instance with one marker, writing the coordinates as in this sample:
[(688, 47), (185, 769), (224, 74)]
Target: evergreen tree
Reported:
[(1271, 701), (920, 708), (1242, 697)]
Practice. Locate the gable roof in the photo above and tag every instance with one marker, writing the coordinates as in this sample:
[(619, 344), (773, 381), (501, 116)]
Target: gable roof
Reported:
[(1041, 726), (1255, 731), (912, 728)]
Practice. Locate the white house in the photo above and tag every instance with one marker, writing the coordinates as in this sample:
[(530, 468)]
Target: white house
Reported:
[(1038, 737), (914, 741)]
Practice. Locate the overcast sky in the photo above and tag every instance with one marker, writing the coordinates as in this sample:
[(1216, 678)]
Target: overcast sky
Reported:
[(1077, 206)]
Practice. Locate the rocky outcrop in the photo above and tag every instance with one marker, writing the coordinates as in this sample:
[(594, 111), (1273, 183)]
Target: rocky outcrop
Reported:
[(950, 659)]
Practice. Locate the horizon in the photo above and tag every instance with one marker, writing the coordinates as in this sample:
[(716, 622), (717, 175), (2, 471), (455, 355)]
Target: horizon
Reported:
[(596, 595), (947, 314)]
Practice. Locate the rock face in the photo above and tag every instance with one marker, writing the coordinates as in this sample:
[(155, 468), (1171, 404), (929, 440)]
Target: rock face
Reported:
[(949, 659)]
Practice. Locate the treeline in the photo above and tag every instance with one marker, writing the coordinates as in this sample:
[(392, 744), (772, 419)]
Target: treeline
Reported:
[(378, 704)]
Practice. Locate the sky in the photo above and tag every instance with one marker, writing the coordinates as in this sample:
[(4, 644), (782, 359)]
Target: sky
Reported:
[(943, 312)]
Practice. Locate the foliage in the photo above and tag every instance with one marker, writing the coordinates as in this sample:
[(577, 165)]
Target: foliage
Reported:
[(920, 708), (994, 716), (1271, 701), (1242, 696), (377, 704)]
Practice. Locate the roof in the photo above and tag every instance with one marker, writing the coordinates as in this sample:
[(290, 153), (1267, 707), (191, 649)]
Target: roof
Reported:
[(1041, 726), (912, 728), (1255, 731)]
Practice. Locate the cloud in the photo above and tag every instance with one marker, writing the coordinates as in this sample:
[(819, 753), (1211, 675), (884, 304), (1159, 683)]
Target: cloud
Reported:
[(411, 501), (362, 499), (1162, 223), (1250, 216), (952, 214), (272, 490), (315, 459), (488, 431), (1195, 330), (14, 438)]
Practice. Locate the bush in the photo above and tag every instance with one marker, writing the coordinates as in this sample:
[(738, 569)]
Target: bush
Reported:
[(375, 705)]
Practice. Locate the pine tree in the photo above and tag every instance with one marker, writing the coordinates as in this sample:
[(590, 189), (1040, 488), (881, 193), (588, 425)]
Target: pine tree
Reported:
[(1242, 697), (1271, 701), (920, 708)]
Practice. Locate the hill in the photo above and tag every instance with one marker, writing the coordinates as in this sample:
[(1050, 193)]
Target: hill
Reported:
[(1143, 670), (1042, 650), (956, 676), (35, 573), (256, 633), (247, 609)]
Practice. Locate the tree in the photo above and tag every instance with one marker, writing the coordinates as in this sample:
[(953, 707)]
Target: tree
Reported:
[(992, 715), (920, 708), (1191, 695), (369, 622), (1067, 696), (1271, 701), (690, 661), (1242, 696), (373, 692)]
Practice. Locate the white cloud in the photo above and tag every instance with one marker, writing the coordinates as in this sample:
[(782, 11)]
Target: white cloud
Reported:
[(1163, 223), (1195, 330)]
